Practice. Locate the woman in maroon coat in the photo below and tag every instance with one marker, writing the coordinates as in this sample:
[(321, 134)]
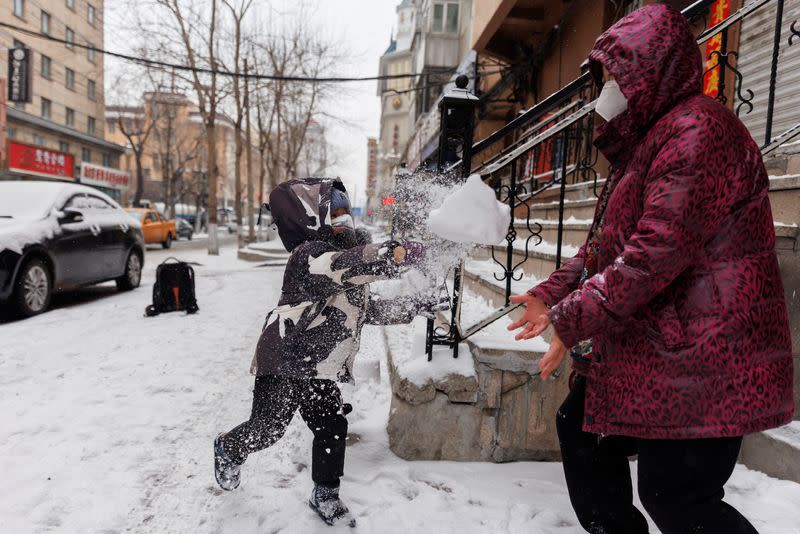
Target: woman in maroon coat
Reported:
[(674, 308)]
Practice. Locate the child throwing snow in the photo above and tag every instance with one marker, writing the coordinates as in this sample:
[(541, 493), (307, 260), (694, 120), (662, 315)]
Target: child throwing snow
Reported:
[(310, 339)]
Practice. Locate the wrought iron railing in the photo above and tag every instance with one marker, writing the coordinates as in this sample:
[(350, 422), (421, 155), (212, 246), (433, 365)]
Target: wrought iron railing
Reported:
[(552, 147)]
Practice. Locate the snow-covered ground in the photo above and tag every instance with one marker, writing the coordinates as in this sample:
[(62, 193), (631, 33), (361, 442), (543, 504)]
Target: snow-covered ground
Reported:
[(107, 420)]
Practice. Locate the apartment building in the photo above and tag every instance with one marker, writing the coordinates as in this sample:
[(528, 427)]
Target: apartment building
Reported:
[(64, 120)]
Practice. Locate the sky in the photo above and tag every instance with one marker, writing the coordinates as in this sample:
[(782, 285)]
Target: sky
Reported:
[(366, 27), (363, 28)]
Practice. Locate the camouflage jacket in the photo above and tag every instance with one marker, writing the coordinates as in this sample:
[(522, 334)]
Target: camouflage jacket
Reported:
[(314, 332)]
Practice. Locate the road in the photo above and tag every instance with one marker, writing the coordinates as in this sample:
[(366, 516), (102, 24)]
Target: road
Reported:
[(154, 254)]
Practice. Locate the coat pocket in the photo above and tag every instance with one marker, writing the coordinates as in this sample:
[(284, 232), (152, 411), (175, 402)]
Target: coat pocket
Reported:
[(665, 327)]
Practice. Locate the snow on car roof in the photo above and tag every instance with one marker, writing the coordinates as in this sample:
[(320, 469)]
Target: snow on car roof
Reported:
[(31, 199)]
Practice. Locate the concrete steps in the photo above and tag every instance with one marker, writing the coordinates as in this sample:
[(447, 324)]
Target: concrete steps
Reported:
[(575, 233), (579, 209), (774, 452), (783, 194)]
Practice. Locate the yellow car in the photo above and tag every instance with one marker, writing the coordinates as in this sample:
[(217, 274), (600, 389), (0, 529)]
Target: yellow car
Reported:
[(156, 228)]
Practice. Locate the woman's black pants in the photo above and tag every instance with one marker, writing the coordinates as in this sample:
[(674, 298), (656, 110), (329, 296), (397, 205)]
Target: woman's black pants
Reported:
[(275, 400), (680, 481)]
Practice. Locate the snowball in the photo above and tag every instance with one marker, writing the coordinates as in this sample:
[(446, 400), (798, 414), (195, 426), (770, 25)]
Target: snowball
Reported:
[(471, 214)]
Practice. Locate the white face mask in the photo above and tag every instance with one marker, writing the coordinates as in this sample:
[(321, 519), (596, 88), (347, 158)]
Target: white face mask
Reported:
[(343, 221), (611, 102)]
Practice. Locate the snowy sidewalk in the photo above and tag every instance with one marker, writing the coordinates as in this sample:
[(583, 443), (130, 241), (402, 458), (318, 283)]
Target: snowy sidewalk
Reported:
[(108, 419)]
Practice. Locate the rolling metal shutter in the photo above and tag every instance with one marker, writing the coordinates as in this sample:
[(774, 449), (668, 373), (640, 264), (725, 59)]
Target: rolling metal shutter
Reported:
[(755, 64)]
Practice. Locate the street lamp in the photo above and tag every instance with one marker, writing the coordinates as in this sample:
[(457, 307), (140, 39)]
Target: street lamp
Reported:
[(457, 109)]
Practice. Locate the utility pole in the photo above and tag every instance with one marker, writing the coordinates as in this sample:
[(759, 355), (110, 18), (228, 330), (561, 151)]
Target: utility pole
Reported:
[(248, 154)]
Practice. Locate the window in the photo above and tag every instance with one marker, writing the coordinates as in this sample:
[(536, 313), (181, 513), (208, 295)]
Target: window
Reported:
[(46, 64), (19, 8), (77, 202), (12, 133), (438, 17), (111, 126), (90, 53), (445, 17), (38, 139), (97, 203), (91, 125), (69, 37), (90, 14), (86, 155), (63, 146), (47, 108), (91, 89), (451, 20), (45, 22), (107, 160), (69, 78), (70, 118), (71, 4)]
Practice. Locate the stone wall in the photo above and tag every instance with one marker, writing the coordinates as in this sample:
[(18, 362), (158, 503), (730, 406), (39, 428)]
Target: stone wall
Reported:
[(504, 413)]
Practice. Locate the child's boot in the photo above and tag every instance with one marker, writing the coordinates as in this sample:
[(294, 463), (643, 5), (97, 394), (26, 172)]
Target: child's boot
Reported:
[(326, 502), (226, 470)]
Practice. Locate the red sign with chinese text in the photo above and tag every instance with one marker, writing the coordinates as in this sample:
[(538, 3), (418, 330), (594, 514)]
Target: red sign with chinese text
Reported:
[(39, 161), (719, 11), (387, 201), (104, 177)]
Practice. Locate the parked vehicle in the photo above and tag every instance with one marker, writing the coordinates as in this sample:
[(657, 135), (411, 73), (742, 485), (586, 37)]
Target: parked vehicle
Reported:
[(185, 229), (57, 236), (156, 228)]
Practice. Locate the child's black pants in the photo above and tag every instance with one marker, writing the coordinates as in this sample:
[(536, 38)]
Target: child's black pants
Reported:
[(275, 400), (680, 481)]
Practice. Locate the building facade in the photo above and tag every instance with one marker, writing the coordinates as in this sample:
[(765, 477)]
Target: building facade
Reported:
[(432, 38), (395, 106), (66, 115), (170, 130)]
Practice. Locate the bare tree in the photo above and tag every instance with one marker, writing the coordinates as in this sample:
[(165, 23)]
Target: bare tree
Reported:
[(192, 33), (238, 11), (137, 132), (249, 154), (174, 145)]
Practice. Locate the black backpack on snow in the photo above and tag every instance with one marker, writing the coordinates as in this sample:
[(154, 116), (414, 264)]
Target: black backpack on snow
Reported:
[(174, 288)]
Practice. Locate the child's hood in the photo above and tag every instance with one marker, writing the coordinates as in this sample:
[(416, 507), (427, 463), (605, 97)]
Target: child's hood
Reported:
[(301, 210)]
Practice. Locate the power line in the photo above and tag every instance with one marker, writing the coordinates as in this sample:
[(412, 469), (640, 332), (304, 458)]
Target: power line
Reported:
[(199, 70)]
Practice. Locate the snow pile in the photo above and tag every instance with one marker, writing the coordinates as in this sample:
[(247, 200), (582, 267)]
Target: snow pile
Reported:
[(471, 214), (407, 344)]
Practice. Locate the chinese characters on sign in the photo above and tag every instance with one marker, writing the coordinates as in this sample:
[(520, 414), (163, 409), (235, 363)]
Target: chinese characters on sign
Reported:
[(38, 161), (104, 177), (20, 80), (719, 11)]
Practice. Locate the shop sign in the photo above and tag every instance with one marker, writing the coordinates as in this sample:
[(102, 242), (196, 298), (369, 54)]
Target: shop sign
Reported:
[(20, 79), (39, 161), (104, 177)]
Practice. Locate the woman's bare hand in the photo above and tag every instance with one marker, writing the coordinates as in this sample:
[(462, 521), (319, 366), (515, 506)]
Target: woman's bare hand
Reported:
[(534, 321)]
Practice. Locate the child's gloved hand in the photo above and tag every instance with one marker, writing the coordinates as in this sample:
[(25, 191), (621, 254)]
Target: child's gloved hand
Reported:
[(428, 306), (413, 253)]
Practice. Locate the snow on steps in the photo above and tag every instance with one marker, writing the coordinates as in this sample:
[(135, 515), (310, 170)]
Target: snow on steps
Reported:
[(267, 251), (580, 199), (775, 452)]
